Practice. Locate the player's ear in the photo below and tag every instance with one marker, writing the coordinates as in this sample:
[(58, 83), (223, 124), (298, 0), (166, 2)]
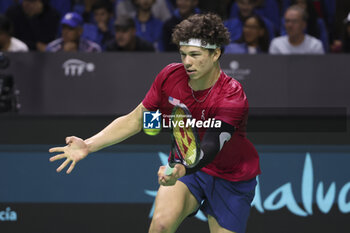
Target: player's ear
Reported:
[(216, 54)]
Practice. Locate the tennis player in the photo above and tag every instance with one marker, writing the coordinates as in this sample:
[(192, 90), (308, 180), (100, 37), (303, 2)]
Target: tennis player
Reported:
[(223, 182)]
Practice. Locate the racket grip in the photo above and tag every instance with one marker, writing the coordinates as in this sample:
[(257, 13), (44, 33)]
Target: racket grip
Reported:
[(168, 170)]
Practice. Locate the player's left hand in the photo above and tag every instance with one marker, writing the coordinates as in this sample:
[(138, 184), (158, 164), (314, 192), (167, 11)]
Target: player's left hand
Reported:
[(178, 172)]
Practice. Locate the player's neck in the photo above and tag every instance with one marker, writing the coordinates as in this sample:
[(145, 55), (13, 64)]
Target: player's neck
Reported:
[(206, 81)]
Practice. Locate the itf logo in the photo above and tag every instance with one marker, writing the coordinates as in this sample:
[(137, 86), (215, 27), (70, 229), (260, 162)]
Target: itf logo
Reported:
[(152, 122), (76, 67)]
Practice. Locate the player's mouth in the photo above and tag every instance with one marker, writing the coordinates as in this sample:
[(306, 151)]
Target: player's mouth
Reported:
[(189, 71)]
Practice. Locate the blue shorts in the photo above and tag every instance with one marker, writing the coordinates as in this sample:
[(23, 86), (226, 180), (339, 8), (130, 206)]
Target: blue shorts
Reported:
[(228, 202)]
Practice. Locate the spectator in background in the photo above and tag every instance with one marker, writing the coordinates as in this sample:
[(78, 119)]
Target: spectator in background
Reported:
[(35, 22), (102, 29), (84, 8), (265, 8), (126, 38), (71, 40), (246, 9), (161, 9), (184, 8), (255, 38), (337, 32), (296, 41), (7, 42), (346, 35), (269, 9), (147, 27), (316, 26), (324, 9)]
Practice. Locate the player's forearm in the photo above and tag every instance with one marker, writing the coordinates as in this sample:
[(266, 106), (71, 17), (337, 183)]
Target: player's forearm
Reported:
[(119, 130), (211, 144)]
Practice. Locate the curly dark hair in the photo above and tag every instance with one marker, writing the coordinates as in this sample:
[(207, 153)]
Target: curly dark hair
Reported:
[(207, 27)]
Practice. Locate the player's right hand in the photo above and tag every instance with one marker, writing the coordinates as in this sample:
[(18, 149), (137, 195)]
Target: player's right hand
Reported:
[(168, 180), (75, 151)]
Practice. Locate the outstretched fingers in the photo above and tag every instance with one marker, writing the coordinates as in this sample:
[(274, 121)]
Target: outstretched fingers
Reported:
[(57, 157), (56, 149), (71, 167), (63, 165)]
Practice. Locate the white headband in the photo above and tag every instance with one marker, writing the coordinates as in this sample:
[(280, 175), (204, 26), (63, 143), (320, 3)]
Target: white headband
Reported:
[(197, 43)]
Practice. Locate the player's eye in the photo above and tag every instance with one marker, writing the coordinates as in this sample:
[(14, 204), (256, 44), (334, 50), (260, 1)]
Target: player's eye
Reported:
[(195, 54)]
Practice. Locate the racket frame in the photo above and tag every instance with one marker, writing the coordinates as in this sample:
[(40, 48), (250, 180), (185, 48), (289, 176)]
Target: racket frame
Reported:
[(174, 146)]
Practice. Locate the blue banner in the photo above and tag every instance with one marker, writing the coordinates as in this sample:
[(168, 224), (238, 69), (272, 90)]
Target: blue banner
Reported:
[(293, 177)]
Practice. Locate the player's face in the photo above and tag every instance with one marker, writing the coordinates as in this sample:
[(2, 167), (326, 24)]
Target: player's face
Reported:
[(197, 61)]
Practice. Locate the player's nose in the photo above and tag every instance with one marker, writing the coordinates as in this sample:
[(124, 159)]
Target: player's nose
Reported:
[(187, 63)]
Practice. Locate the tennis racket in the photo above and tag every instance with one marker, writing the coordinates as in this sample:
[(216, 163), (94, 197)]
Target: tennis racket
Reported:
[(184, 139)]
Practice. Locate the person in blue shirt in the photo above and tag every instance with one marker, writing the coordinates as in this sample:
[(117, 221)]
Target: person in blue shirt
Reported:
[(71, 36), (265, 8), (125, 39), (161, 9), (255, 38), (101, 30), (147, 26), (184, 8), (246, 9)]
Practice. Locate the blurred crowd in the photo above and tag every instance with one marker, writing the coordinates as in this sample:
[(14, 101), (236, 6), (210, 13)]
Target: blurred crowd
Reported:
[(256, 26)]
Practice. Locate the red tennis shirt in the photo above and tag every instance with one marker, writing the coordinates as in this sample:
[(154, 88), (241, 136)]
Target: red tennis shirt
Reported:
[(237, 160)]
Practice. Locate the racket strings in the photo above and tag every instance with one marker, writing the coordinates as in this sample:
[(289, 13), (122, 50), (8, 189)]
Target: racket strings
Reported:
[(185, 138)]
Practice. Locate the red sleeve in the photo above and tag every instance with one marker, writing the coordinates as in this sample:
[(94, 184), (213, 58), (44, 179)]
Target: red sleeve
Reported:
[(153, 97), (233, 108)]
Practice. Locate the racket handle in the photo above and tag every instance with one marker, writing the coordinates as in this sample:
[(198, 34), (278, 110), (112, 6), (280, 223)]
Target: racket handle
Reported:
[(168, 170)]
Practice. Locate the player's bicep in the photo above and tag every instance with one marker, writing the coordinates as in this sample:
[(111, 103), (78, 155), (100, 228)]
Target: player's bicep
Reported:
[(136, 115)]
